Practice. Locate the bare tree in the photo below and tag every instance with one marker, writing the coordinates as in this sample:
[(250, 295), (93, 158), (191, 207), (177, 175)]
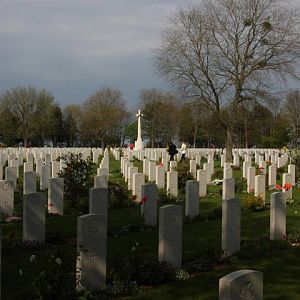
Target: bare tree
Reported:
[(160, 115), (225, 52), (28, 105), (291, 110), (103, 115)]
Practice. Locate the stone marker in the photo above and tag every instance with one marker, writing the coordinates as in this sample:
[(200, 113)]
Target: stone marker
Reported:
[(251, 179), (11, 175), (38, 167), (131, 171), (151, 171), (170, 235), (29, 182), (34, 217), (101, 181), (55, 168), (207, 170), (56, 196), (91, 246), (173, 165), (149, 206), (1, 170), (172, 183), (287, 187), (138, 180), (6, 197), (201, 178), (28, 166), (292, 171), (102, 171), (277, 217), (228, 189), (193, 168), (45, 175), (241, 285), (231, 226), (160, 177), (98, 201), (272, 175), (260, 187), (192, 198)]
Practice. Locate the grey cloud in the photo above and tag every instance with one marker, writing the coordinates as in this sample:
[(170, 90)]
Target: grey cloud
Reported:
[(73, 47)]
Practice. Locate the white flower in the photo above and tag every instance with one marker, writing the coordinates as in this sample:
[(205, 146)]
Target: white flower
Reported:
[(58, 261), (32, 259), (20, 272), (296, 212), (133, 249)]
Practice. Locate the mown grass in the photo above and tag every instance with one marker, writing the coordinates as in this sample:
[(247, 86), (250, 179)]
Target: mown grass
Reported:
[(201, 237)]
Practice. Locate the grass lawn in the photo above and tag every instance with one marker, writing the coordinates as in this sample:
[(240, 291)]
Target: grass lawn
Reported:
[(201, 243)]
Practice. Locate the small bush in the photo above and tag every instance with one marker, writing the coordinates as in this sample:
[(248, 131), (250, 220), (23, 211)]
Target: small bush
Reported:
[(144, 270), (119, 195), (240, 185), (77, 177), (184, 174), (165, 198), (254, 203)]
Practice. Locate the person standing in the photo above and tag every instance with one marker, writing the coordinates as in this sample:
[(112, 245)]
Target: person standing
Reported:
[(183, 151), (172, 150)]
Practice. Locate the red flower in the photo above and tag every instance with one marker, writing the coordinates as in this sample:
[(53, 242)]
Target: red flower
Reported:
[(287, 186), (134, 197), (161, 165), (144, 199), (51, 205), (261, 169), (278, 187)]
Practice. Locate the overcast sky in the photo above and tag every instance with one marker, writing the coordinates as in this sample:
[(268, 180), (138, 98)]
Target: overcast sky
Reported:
[(74, 47)]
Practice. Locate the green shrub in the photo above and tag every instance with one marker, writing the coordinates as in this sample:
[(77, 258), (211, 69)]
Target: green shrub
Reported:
[(144, 270), (119, 195), (77, 177), (295, 159), (254, 203), (165, 198), (240, 185), (183, 169)]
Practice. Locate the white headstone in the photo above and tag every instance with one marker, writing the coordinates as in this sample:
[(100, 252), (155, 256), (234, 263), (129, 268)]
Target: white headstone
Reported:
[(56, 196), (231, 226), (149, 203), (91, 246), (34, 217), (6, 197), (172, 183), (241, 285), (29, 182), (277, 217), (192, 198), (170, 235)]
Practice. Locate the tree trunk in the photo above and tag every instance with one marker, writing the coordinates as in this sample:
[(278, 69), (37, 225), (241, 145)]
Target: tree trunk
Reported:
[(246, 137), (229, 143), (195, 136), (152, 143)]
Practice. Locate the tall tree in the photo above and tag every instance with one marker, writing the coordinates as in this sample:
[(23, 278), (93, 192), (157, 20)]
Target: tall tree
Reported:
[(229, 51), (72, 115), (28, 105), (103, 113), (292, 112), (160, 116)]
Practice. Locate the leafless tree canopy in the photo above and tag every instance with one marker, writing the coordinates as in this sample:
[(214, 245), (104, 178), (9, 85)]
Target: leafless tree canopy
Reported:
[(229, 50)]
